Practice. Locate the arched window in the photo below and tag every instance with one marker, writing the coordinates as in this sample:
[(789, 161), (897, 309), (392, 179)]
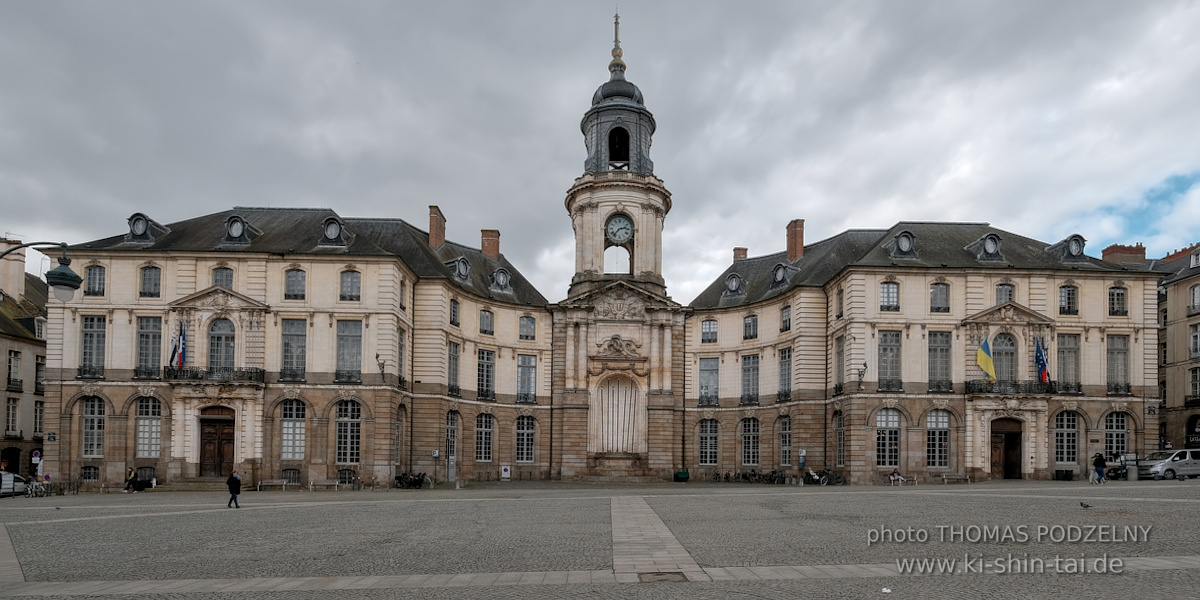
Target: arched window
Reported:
[(618, 148), (351, 286), (708, 442), (483, 437), (291, 430), (525, 430), (451, 434), (1116, 433), (1066, 437), (1004, 356), (294, 284), (221, 334), (937, 438), (349, 432), (93, 428), (750, 441), (149, 427), (785, 441), (887, 438), (151, 282)]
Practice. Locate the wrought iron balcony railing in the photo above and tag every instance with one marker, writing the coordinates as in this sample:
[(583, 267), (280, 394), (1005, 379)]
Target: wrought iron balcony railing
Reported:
[(984, 386), (402, 383), (891, 385), (90, 372), (1068, 310), (941, 386), (1068, 387), (1191, 401), (486, 395), (16, 385), (783, 396), (749, 399), (839, 389), (889, 307), (223, 374), (146, 373), (709, 400), (1119, 389), (1193, 309), (39, 387), (527, 398), (454, 390), (347, 376), (292, 374)]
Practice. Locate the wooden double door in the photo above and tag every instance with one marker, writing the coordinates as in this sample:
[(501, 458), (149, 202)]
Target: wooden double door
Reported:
[(216, 447), (1006, 448)]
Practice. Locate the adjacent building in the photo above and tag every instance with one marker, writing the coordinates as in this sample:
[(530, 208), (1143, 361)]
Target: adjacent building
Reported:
[(1179, 348), (23, 344)]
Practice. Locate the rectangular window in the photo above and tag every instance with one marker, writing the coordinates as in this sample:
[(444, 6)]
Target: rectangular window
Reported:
[(295, 350), (1068, 363), (785, 374), (349, 435), (750, 442), (1066, 437), (750, 379), (939, 362), (750, 327), (149, 357), (889, 296), (785, 441), (95, 281), (487, 375), (1193, 343), (527, 328), (11, 410), (1194, 380), (15, 384), (1005, 292), (292, 431), (403, 294), (839, 430), (454, 313), (1068, 300), (785, 319), (887, 438), (39, 417), (400, 352), (889, 362), (841, 301), (708, 442), (91, 354), (1116, 302), (937, 439), (526, 378), (939, 298), (149, 428), (151, 282), (223, 277), (39, 374), (1118, 364), (708, 332), (1115, 434), (525, 431), (351, 286), (487, 322), (452, 369), (93, 428), (839, 364), (349, 351), (483, 438), (709, 381), (294, 283)]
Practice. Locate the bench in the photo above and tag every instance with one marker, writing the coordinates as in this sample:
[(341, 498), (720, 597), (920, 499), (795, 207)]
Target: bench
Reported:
[(282, 483), (111, 485), (908, 480), (948, 477), (323, 483)]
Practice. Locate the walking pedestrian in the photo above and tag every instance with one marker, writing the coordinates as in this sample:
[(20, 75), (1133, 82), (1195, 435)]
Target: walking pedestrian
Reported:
[(235, 487), (131, 480), (1099, 464)]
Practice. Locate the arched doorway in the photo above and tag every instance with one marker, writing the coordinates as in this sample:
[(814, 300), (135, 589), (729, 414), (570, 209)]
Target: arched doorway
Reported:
[(1006, 449), (217, 441), (617, 418)]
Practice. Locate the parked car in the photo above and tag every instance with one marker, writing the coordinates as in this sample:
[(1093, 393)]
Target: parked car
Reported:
[(1169, 464), (11, 484)]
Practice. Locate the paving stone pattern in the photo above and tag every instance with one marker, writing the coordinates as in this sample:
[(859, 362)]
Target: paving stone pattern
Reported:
[(556, 540)]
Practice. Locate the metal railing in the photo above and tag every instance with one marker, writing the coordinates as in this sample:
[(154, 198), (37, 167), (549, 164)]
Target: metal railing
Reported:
[(347, 376), (749, 399), (839, 389), (891, 385), (16, 385), (225, 374), (486, 395), (90, 372), (984, 386), (402, 383), (1191, 401), (941, 386), (527, 398), (1193, 309), (292, 374), (709, 400), (1068, 387), (1119, 389), (889, 307), (146, 373), (783, 396), (454, 390)]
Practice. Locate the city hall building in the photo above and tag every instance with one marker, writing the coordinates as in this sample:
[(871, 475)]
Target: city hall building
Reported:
[(304, 345)]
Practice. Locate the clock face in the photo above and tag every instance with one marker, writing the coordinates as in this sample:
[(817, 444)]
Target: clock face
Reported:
[(1076, 248), (501, 278), (236, 228), (780, 273), (619, 229), (990, 246), (905, 243), (332, 229), (733, 283), (139, 226)]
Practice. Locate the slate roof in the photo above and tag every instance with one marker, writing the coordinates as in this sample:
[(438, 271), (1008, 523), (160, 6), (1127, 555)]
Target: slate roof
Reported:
[(1180, 268), (299, 231), (17, 315), (937, 245)]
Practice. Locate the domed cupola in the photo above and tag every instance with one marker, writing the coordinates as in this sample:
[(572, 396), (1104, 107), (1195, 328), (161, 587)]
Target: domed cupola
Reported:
[(618, 127)]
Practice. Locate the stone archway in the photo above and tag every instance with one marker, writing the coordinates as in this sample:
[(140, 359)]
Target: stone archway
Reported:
[(617, 417), (1006, 448)]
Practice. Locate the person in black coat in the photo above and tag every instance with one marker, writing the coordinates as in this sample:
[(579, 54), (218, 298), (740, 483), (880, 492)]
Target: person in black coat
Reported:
[(1099, 464), (235, 487)]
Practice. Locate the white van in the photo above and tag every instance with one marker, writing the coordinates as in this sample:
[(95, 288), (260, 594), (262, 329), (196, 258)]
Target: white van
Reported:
[(1170, 464), (11, 484)]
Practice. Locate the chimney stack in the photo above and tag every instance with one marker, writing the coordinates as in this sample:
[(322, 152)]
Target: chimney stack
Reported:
[(490, 243), (795, 240), (437, 227), (12, 271), (739, 254), (1120, 254)]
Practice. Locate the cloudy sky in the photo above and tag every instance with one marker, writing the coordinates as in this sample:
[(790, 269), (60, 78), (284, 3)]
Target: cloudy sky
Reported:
[(1041, 118)]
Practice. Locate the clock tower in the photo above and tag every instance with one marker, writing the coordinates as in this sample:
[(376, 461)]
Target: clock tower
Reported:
[(617, 207), (618, 339)]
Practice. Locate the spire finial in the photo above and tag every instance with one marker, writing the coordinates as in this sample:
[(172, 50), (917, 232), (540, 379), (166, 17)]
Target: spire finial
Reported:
[(617, 66)]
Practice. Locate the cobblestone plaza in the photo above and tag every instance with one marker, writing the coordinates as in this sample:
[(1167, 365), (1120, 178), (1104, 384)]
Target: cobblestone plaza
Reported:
[(659, 541)]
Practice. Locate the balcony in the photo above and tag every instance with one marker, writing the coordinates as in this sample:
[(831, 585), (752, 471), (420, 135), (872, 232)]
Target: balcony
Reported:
[(889, 308), (90, 372), (527, 398), (347, 376), (1193, 309), (749, 399), (39, 388), (402, 383), (709, 400), (1120, 389), (292, 374), (984, 386), (16, 385), (1068, 310), (891, 385), (12, 434), (222, 374), (783, 396), (1118, 312), (941, 386), (453, 390), (1191, 401), (145, 373), (1068, 387), (489, 395), (939, 309), (839, 389)]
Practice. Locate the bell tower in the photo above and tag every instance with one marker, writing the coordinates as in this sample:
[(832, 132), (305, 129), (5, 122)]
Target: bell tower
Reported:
[(617, 206)]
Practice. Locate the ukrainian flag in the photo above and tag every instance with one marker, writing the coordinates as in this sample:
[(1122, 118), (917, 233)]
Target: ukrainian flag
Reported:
[(983, 357)]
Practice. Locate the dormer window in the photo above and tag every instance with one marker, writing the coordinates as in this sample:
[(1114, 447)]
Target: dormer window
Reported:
[(143, 229), (1195, 260), (238, 231), (332, 233), (500, 280), (1070, 249), (906, 245), (734, 285), (460, 268), (779, 275), (987, 248)]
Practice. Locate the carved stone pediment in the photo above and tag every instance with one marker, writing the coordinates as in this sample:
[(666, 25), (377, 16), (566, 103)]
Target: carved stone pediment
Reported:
[(219, 299), (619, 347), (1009, 313), (620, 305)]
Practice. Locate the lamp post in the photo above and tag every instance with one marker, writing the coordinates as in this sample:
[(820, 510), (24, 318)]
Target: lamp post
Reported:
[(61, 279)]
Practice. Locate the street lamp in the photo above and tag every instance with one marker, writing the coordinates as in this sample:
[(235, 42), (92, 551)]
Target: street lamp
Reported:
[(61, 279)]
